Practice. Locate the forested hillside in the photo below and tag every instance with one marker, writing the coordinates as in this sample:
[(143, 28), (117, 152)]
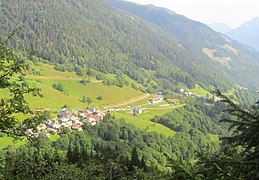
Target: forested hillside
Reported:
[(207, 47), (86, 35), (90, 35), (116, 150)]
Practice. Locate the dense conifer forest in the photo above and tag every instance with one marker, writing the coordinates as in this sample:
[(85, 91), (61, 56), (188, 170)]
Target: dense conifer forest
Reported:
[(90, 36)]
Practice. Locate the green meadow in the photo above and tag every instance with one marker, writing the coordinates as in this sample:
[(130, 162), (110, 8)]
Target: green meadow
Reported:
[(115, 96), (6, 141), (73, 90), (143, 120), (198, 90)]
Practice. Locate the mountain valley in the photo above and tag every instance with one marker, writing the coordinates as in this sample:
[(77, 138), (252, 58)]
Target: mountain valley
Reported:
[(110, 89)]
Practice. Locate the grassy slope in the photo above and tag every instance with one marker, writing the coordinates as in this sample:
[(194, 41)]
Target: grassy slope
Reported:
[(54, 99), (6, 141), (112, 95), (143, 120), (197, 89)]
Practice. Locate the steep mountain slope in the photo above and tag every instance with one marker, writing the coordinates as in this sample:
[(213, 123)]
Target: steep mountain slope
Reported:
[(220, 27), (226, 55), (247, 33), (90, 36), (191, 33)]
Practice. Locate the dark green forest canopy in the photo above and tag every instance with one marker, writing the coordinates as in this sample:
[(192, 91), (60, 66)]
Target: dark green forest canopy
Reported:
[(196, 116), (116, 150), (110, 148)]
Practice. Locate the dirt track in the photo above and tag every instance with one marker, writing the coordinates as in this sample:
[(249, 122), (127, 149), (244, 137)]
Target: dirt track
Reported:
[(58, 78), (133, 100)]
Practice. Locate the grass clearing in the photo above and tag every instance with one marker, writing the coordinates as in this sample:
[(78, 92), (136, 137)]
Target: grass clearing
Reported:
[(143, 120), (231, 93), (111, 94), (157, 105), (142, 102), (197, 89), (9, 141), (74, 90), (48, 70), (6, 141), (54, 137)]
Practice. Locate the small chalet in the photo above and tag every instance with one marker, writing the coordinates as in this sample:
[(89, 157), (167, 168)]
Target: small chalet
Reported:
[(173, 102), (137, 110), (156, 99)]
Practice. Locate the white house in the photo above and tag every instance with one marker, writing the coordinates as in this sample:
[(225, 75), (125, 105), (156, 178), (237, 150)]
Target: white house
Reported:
[(137, 110)]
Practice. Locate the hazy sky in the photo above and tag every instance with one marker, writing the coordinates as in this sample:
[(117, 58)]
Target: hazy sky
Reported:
[(232, 12)]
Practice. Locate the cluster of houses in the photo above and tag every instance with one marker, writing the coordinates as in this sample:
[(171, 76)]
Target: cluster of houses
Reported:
[(225, 59), (73, 119), (138, 110), (190, 94), (240, 88)]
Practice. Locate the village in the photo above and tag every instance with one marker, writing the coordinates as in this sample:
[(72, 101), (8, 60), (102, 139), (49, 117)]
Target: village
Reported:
[(74, 120)]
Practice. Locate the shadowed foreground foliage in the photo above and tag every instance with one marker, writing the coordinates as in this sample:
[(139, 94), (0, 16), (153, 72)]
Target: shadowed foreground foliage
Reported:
[(12, 79), (238, 158)]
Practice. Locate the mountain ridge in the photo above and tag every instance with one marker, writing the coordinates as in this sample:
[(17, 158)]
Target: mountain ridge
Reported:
[(196, 37), (247, 33), (220, 27)]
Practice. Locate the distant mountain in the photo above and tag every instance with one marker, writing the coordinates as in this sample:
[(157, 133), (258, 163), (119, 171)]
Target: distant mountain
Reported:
[(247, 33), (190, 32), (209, 49), (220, 27)]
